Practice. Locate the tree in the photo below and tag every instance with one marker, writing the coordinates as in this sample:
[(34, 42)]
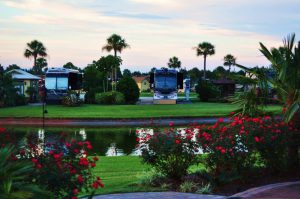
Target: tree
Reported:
[(174, 63), (117, 44), (35, 49), (219, 72), (12, 67), (40, 64), (194, 74), (70, 65), (205, 49), (130, 90), (127, 73), (136, 73), (229, 60)]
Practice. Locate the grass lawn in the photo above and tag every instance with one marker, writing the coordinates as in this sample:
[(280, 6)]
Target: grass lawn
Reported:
[(124, 173), (119, 174), (200, 109)]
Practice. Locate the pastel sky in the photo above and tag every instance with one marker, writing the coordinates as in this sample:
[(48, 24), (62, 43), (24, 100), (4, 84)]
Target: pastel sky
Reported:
[(76, 30)]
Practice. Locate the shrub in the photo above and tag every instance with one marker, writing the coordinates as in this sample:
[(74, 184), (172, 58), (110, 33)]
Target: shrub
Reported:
[(71, 99), (243, 143), (187, 187), (62, 167), (170, 152), (112, 97), (130, 90), (20, 100), (207, 90)]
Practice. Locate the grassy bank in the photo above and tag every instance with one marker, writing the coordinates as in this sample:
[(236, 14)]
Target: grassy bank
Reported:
[(200, 109)]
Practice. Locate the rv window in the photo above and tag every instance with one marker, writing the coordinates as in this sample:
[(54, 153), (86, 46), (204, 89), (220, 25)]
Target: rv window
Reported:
[(50, 83), (62, 83)]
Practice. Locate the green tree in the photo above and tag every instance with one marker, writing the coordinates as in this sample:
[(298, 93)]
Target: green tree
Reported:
[(127, 72), (70, 65), (205, 49), (229, 60), (130, 90), (35, 49), (117, 44), (12, 67), (174, 63), (40, 64), (219, 72), (285, 61)]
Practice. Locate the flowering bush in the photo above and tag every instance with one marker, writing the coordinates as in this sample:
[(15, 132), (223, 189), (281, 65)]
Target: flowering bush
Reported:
[(246, 142), (170, 152), (63, 167)]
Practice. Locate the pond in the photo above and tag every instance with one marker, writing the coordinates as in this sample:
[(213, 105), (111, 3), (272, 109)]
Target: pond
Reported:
[(105, 141)]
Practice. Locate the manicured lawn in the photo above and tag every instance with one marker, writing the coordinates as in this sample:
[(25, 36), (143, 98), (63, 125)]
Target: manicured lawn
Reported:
[(200, 109), (119, 174), (124, 173)]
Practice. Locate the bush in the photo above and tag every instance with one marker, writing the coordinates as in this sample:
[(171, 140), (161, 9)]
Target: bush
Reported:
[(20, 100), (170, 152), (245, 143), (112, 97), (71, 99), (207, 90), (63, 167), (130, 90)]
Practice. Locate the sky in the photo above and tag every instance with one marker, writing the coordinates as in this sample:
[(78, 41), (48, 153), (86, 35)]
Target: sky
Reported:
[(76, 30)]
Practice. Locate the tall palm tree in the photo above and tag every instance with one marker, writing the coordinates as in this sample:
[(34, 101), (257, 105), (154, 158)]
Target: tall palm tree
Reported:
[(174, 63), (229, 60), (285, 61), (117, 44), (40, 64), (205, 49), (35, 49)]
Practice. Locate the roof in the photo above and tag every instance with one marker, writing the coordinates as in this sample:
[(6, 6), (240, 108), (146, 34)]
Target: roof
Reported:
[(140, 79), (20, 74)]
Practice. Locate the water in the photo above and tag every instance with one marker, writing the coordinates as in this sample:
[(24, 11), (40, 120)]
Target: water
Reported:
[(105, 142)]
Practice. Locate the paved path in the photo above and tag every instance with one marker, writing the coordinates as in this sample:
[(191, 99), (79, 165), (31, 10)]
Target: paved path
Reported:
[(107, 122), (158, 195)]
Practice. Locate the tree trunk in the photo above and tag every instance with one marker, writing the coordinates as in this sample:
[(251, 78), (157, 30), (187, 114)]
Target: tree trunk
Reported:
[(204, 73), (34, 63)]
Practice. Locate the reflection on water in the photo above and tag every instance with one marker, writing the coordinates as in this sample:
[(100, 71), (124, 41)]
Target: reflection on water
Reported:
[(105, 142)]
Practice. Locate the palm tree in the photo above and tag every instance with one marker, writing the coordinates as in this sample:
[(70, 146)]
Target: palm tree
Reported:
[(40, 64), (174, 63), (14, 177), (205, 49), (229, 60), (285, 61), (117, 44), (35, 49)]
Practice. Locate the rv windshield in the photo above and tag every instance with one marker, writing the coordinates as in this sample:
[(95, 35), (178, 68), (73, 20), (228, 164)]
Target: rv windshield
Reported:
[(166, 81)]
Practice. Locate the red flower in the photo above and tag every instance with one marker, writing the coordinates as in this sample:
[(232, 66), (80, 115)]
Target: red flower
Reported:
[(68, 145), (75, 191), (2, 130), (283, 110), (171, 124), (74, 197), (223, 151), (34, 160), (256, 139), (83, 162), (220, 120), (38, 166), (177, 141), (95, 158), (80, 179), (93, 164)]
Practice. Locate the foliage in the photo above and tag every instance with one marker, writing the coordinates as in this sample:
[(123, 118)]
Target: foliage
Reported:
[(71, 99), (35, 49), (207, 90), (250, 103), (245, 142), (170, 152), (204, 189), (32, 92), (40, 64), (130, 90), (63, 167), (94, 81), (187, 186), (15, 177), (127, 72), (205, 49), (12, 67), (70, 65), (174, 63), (229, 60), (111, 97)]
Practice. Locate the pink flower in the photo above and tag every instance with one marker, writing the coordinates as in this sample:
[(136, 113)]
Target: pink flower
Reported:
[(171, 124), (256, 139), (177, 141)]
